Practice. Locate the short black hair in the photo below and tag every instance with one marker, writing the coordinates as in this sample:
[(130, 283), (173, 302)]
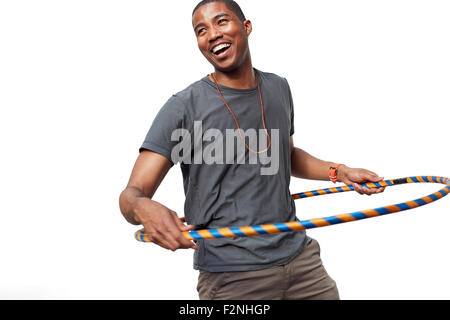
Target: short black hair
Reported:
[(231, 4)]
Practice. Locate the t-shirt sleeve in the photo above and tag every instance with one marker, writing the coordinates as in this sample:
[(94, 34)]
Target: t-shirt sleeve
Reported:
[(291, 109), (169, 118)]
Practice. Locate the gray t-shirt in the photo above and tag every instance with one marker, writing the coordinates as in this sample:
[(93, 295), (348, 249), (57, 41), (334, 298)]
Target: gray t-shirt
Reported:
[(233, 193)]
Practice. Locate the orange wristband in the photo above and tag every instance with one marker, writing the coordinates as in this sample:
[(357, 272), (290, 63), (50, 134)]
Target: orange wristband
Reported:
[(333, 172)]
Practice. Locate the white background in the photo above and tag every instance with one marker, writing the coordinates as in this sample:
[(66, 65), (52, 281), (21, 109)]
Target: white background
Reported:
[(81, 81)]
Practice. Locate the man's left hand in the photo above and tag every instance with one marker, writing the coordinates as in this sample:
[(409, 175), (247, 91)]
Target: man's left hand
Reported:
[(353, 177)]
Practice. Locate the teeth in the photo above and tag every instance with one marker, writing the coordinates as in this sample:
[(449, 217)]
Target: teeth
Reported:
[(220, 47)]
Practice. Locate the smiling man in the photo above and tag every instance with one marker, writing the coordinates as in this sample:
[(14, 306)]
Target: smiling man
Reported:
[(234, 98)]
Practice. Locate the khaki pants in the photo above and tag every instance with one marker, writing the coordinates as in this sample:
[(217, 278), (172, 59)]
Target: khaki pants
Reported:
[(302, 278)]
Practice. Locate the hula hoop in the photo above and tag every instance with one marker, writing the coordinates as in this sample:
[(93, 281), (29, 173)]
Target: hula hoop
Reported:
[(322, 222)]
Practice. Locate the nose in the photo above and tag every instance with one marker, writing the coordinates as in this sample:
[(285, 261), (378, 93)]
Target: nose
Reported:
[(215, 34)]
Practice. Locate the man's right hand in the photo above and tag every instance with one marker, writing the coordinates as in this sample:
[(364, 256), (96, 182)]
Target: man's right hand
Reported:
[(162, 225)]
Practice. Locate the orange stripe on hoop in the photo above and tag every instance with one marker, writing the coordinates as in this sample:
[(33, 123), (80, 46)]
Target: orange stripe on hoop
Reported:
[(427, 199), (295, 226), (270, 228), (187, 235), (346, 217), (320, 222), (412, 204), (438, 194), (226, 232), (249, 231), (370, 185), (371, 213), (393, 208), (205, 234)]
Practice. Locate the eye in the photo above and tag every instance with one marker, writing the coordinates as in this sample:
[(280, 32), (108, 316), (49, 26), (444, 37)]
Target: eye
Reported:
[(199, 31), (221, 21)]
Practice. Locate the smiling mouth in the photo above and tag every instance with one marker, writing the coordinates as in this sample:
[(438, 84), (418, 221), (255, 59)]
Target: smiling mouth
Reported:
[(220, 49)]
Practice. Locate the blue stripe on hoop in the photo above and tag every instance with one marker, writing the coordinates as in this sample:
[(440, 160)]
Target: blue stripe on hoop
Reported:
[(403, 206), (308, 224), (375, 183), (216, 233), (314, 192), (382, 210), (420, 202), (414, 179), (433, 196), (237, 232), (333, 220), (194, 234), (282, 227), (260, 230), (358, 215)]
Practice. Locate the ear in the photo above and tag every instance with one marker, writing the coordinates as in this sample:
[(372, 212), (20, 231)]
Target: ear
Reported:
[(247, 27)]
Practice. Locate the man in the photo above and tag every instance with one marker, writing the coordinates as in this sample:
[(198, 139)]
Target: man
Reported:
[(229, 190)]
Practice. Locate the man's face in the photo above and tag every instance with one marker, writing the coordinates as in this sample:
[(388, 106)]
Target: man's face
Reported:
[(221, 36)]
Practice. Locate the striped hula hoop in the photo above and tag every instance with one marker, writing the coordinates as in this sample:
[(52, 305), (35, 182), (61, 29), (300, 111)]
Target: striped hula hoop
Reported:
[(321, 222)]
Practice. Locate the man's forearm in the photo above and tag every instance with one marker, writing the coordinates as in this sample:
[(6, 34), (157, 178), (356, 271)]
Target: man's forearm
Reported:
[(130, 200), (305, 166)]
